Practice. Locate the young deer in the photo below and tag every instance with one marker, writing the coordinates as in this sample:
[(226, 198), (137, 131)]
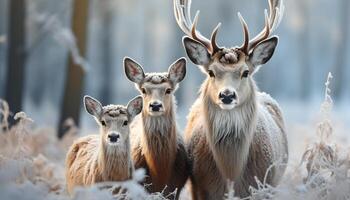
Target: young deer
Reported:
[(234, 132), (104, 157), (156, 143)]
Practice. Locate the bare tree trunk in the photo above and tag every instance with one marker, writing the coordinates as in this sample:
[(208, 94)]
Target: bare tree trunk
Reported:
[(75, 74), (338, 68), (16, 56), (107, 19)]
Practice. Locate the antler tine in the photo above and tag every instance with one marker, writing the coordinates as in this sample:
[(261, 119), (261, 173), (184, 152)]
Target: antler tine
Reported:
[(188, 11), (245, 44), (279, 13), (183, 15), (180, 17), (266, 32), (198, 36), (214, 45), (276, 8)]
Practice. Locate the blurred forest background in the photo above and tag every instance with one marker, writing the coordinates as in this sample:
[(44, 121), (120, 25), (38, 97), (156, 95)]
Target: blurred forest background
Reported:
[(53, 52)]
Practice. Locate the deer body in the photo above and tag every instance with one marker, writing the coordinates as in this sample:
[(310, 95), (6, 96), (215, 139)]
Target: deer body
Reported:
[(105, 157), (235, 148), (234, 132), (156, 142), (161, 151), (88, 162)]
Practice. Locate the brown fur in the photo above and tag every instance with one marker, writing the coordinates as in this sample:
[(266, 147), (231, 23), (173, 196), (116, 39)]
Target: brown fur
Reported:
[(234, 133), (87, 163), (161, 151), (104, 157), (156, 143)]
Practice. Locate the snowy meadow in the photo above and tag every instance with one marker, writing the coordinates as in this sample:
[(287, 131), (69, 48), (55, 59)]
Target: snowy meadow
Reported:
[(52, 53), (32, 163)]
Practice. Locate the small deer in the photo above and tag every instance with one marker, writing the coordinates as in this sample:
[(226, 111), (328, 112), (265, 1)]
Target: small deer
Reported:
[(105, 157), (234, 132), (156, 143)]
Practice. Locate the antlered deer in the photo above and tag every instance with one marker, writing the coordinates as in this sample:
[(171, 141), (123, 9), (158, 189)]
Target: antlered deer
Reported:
[(104, 157), (234, 132), (156, 143)]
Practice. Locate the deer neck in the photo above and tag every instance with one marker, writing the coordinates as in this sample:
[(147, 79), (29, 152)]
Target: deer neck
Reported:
[(159, 146), (230, 132), (115, 161)]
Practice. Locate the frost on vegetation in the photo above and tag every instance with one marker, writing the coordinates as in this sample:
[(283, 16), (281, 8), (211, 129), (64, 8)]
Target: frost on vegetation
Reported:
[(327, 168), (32, 165), (130, 189)]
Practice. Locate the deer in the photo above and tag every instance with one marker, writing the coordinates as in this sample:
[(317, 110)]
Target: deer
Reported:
[(105, 157), (156, 143), (234, 133)]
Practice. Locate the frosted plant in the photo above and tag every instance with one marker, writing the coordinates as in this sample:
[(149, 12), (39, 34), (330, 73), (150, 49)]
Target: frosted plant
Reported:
[(322, 162), (263, 189), (21, 129), (324, 128), (26, 171)]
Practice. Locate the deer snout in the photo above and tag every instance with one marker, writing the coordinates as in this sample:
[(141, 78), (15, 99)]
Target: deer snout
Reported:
[(113, 137), (155, 106), (227, 96)]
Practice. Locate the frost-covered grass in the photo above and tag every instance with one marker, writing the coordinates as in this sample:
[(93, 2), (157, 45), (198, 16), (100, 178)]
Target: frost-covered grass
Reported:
[(32, 164)]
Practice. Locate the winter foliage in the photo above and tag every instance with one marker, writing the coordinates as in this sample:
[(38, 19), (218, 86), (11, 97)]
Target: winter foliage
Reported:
[(32, 166), (32, 158)]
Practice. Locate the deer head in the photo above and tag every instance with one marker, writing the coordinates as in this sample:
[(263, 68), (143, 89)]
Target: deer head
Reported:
[(229, 70), (157, 89), (114, 120)]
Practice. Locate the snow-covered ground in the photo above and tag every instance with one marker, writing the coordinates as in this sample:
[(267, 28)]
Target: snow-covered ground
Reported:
[(32, 159)]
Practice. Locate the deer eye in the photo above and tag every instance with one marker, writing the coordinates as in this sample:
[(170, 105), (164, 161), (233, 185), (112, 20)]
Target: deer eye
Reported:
[(143, 90), (103, 122), (125, 123), (168, 91), (245, 74), (211, 73)]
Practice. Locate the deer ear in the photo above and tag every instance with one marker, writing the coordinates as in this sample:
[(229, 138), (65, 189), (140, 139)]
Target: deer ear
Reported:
[(133, 70), (177, 70), (263, 52), (92, 106), (196, 51), (134, 106)]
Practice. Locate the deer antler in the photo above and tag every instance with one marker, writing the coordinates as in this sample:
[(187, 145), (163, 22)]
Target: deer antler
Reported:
[(182, 11), (183, 18), (272, 21)]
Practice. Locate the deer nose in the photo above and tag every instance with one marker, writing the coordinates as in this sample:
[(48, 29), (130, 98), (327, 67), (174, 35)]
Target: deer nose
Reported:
[(227, 96), (155, 107), (113, 137)]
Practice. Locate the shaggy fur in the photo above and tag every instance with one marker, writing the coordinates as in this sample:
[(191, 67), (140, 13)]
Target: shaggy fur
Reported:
[(91, 159), (88, 161), (234, 133), (156, 143), (234, 145), (159, 148)]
